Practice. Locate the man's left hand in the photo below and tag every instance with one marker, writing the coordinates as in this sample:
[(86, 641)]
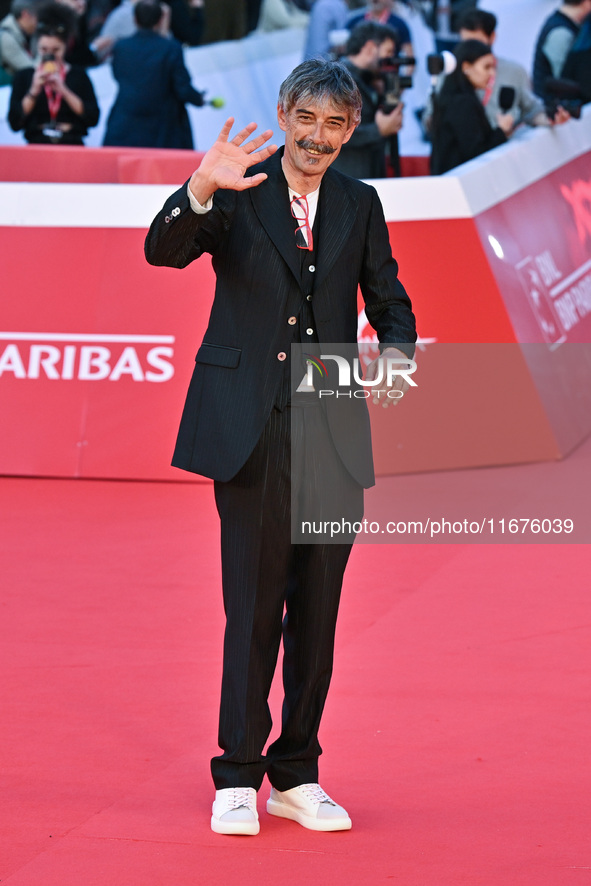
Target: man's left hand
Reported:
[(393, 390)]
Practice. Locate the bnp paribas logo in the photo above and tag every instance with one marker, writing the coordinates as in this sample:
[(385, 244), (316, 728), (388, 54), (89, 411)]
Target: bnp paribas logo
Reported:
[(67, 356)]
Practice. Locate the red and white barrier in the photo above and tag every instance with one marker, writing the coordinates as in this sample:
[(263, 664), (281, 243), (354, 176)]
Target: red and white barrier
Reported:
[(96, 346)]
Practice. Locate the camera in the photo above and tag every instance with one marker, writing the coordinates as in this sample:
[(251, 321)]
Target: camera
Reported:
[(48, 63), (392, 81)]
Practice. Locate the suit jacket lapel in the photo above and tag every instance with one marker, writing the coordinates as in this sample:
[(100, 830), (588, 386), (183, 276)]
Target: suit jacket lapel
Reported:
[(338, 208), (271, 204)]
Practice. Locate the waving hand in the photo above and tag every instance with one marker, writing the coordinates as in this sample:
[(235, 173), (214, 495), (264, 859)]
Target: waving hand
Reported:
[(224, 165)]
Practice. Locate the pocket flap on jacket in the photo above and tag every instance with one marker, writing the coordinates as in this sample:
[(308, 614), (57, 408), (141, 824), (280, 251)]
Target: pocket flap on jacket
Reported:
[(218, 355)]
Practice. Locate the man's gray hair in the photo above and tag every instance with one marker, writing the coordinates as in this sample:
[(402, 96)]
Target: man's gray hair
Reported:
[(318, 81)]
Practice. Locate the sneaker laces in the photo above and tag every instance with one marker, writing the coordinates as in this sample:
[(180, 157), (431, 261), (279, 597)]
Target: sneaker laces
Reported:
[(242, 797), (315, 794)]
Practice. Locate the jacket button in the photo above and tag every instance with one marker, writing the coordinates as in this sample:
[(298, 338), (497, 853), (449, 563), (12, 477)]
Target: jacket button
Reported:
[(176, 211), (309, 331), (308, 298), (292, 321), (281, 355), (312, 268), (167, 219)]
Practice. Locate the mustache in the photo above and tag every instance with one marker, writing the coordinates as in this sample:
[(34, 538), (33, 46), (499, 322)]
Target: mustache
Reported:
[(306, 144)]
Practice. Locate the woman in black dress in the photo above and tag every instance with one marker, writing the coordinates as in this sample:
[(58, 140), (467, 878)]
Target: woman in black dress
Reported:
[(460, 128), (54, 103)]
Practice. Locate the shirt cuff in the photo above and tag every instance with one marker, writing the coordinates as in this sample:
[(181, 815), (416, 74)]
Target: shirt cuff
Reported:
[(196, 205)]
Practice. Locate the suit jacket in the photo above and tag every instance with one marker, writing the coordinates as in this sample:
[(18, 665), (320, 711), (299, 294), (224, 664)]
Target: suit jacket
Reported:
[(154, 86), (240, 367)]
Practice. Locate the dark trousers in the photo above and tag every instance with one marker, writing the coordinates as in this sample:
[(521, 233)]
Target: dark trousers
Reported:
[(273, 590)]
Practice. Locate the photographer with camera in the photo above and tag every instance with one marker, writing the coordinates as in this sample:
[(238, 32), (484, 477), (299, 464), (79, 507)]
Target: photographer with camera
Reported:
[(371, 60), (54, 103)]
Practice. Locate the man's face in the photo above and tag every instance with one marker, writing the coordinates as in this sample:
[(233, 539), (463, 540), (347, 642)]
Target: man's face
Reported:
[(387, 49), (465, 34), (369, 59), (28, 23), (314, 134)]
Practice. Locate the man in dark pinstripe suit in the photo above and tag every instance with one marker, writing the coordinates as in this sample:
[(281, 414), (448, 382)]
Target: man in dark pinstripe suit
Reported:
[(291, 240)]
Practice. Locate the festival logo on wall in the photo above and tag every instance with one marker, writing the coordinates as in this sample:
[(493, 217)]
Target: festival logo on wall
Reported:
[(547, 254)]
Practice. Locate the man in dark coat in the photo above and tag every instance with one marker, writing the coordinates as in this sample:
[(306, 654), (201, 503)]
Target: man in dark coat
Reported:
[(555, 40), (291, 240), (578, 62), (154, 86)]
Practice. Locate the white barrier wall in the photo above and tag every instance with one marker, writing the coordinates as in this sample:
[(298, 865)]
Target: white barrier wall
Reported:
[(96, 346)]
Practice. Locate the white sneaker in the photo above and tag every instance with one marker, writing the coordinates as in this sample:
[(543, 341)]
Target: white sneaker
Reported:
[(310, 806), (235, 811)]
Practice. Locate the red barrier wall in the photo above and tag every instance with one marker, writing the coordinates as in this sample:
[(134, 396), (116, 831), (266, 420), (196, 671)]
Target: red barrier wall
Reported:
[(46, 163), (43, 163), (97, 347)]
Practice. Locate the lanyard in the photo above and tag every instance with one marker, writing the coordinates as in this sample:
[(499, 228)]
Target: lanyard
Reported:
[(54, 99)]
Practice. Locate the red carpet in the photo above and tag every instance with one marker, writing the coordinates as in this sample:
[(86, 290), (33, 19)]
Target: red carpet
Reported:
[(456, 732)]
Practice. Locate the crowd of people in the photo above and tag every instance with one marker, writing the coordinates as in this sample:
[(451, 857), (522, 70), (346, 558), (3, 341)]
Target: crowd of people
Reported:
[(482, 99), (46, 46)]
